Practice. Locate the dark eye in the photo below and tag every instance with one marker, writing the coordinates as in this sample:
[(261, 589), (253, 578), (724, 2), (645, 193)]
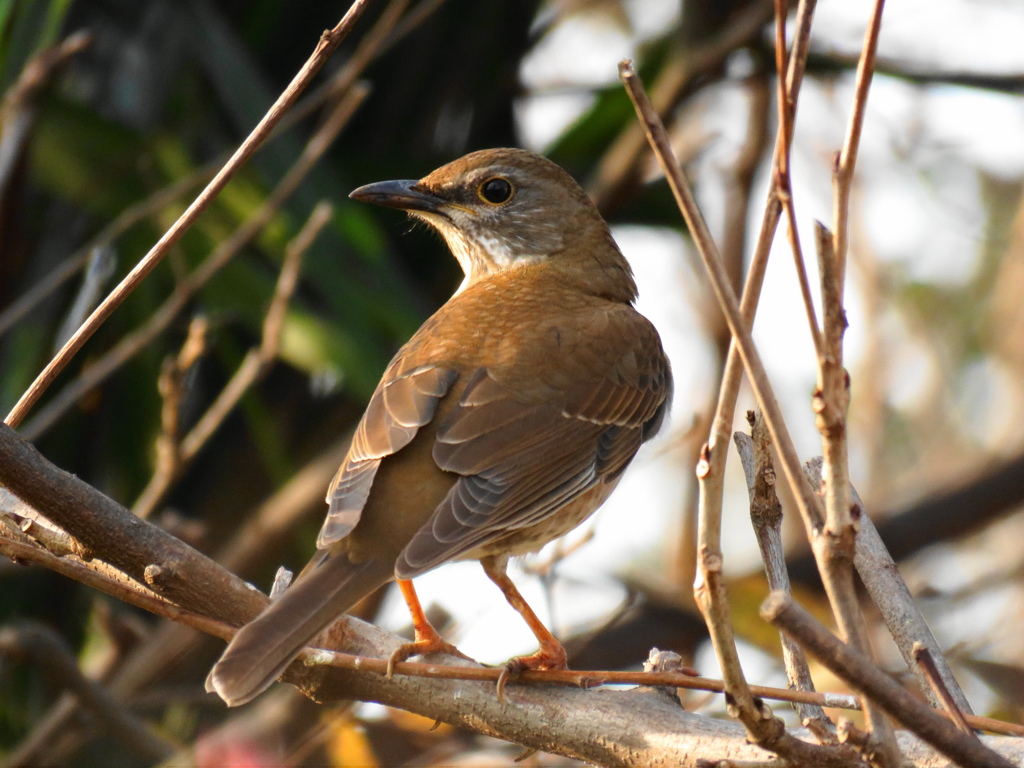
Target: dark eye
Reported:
[(495, 191)]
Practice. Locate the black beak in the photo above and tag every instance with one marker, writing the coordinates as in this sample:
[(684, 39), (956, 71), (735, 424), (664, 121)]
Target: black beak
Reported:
[(405, 195)]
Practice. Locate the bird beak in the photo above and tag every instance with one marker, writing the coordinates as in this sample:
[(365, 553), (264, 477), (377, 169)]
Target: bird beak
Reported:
[(406, 195)]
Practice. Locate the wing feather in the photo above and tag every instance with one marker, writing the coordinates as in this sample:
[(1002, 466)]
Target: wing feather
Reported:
[(530, 435), (401, 404)]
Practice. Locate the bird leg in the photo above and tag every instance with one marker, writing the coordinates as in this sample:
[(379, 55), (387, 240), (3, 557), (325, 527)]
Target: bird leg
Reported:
[(426, 638), (550, 655)]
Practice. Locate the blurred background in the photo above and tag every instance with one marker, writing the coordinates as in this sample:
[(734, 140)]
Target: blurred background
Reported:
[(105, 141)]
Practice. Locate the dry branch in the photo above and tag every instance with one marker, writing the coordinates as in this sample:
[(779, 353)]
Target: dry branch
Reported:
[(329, 41), (608, 727), (858, 670)]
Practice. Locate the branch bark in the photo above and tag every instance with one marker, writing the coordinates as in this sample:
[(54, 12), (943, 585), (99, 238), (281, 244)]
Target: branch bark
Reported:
[(639, 727)]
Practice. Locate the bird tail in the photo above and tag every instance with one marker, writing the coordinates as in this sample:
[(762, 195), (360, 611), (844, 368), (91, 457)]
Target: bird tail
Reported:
[(263, 648)]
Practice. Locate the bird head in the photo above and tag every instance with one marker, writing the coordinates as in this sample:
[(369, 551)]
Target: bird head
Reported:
[(501, 209)]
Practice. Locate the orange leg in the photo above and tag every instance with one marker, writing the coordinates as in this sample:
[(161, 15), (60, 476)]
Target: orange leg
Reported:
[(426, 639), (550, 655)]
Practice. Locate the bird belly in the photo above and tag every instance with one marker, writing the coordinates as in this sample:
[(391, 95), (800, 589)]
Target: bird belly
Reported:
[(523, 541)]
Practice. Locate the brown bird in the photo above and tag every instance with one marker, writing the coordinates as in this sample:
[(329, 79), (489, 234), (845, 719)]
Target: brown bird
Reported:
[(503, 423)]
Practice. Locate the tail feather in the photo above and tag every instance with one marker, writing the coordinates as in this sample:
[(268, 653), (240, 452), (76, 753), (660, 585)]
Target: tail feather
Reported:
[(263, 648)]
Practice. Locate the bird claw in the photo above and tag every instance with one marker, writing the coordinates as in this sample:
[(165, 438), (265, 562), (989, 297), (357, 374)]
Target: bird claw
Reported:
[(544, 659), (423, 647)]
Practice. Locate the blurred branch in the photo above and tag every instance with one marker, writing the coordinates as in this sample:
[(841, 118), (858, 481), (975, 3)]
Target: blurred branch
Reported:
[(858, 670), (18, 107), (176, 455), (825, 62), (619, 171), (329, 41), (128, 218), (47, 650), (101, 368)]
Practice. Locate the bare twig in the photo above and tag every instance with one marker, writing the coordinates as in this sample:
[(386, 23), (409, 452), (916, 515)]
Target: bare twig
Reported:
[(846, 160), (177, 455), (858, 670), (17, 109), (171, 384), (619, 168), (767, 730), (925, 660), (709, 588), (104, 366), (766, 516), (835, 545), (53, 540), (888, 591), (329, 41), (783, 179)]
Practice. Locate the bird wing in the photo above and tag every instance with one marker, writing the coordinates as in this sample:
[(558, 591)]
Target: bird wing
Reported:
[(402, 403), (531, 434)]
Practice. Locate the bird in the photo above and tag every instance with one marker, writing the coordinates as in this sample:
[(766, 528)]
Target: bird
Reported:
[(501, 425)]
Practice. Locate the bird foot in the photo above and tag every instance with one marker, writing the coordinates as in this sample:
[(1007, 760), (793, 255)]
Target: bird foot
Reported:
[(422, 646), (549, 657)]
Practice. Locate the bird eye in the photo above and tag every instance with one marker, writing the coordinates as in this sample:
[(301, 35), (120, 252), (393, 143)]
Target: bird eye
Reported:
[(495, 191)]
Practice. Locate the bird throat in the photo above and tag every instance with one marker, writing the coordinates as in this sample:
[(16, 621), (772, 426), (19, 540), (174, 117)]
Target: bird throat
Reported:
[(483, 254)]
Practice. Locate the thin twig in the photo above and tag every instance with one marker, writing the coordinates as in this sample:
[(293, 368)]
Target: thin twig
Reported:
[(835, 547), (148, 601), (783, 179), (846, 160), (329, 41), (727, 300), (709, 588), (858, 670), (767, 730), (925, 660), (177, 455), (766, 517), (104, 366), (171, 385), (891, 596)]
